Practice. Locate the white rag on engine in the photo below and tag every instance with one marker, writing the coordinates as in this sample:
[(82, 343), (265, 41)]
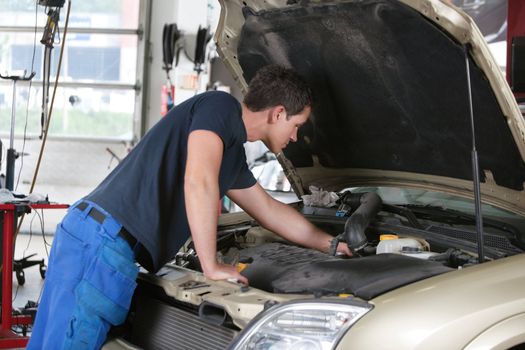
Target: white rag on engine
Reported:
[(320, 198)]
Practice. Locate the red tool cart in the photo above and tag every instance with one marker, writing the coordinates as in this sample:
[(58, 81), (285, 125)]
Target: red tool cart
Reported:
[(8, 338)]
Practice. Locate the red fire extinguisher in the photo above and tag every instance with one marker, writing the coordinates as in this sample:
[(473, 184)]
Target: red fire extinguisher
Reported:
[(167, 99)]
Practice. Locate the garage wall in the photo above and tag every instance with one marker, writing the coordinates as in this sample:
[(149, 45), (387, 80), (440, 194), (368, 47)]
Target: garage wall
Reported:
[(69, 170), (188, 15), (72, 168)]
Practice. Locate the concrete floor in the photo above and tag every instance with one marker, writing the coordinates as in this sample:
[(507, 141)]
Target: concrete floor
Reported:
[(26, 245)]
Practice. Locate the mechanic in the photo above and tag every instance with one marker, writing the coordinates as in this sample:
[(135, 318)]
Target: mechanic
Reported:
[(167, 187)]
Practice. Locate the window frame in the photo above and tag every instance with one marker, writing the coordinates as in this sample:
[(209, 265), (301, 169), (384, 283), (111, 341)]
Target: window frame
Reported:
[(142, 73)]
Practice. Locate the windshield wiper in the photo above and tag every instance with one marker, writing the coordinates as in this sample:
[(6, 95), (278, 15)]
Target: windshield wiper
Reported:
[(456, 217), (403, 211)]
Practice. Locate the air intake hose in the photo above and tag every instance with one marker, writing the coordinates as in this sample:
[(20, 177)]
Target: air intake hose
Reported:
[(354, 232)]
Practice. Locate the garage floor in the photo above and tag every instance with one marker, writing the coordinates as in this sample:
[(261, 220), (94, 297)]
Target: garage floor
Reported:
[(26, 245)]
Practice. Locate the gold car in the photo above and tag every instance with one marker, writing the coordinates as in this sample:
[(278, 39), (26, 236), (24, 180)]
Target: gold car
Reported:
[(416, 131)]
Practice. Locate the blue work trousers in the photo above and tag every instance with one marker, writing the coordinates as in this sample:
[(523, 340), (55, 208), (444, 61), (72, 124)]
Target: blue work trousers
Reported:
[(89, 283)]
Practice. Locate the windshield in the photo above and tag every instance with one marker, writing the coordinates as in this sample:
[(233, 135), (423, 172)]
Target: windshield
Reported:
[(411, 196)]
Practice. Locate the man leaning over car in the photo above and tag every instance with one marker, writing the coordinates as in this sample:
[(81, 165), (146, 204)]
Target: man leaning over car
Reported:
[(167, 187)]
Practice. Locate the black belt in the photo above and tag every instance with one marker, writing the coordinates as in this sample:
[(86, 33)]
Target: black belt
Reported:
[(128, 237), (99, 217)]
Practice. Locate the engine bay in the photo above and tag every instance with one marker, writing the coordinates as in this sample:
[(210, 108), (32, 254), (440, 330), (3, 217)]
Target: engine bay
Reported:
[(393, 246)]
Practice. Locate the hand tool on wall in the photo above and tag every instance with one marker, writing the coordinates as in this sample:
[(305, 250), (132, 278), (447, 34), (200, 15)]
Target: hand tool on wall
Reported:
[(171, 47), (203, 37)]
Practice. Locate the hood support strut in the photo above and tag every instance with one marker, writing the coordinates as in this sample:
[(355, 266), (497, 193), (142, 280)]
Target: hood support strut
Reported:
[(475, 167)]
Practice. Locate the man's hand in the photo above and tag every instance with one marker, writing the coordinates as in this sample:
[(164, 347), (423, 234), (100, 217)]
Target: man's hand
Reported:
[(343, 248), (201, 189), (225, 272), (283, 219)]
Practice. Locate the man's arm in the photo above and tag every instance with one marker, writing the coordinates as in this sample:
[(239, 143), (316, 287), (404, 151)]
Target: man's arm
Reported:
[(282, 219), (201, 191)]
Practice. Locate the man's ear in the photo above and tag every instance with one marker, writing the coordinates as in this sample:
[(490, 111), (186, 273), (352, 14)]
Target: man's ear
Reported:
[(276, 113)]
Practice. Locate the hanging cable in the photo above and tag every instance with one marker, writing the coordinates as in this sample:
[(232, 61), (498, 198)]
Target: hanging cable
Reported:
[(44, 138), (48, 40), (28, 100)]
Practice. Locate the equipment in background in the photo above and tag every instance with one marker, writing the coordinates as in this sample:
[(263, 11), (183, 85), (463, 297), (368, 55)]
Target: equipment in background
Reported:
[(48, 39), (516, 49), (203, 37), (2, 176), (51, 3), (14, 324), (171, 47), (11, 153)]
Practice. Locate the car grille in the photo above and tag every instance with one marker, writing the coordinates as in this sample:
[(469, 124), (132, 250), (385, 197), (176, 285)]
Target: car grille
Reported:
[(157, 326)]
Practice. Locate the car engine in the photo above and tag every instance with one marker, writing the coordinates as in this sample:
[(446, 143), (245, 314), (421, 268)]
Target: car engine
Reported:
[(391, 248)]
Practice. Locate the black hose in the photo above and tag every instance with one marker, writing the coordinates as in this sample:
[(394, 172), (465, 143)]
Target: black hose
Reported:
[(355, 226)]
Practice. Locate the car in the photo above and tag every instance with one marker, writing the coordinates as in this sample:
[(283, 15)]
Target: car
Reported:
[(418, 138)]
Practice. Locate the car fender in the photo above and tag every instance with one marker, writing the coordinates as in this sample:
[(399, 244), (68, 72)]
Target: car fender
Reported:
[(503, 335)]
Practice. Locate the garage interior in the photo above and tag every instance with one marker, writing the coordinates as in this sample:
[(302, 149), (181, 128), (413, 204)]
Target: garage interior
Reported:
[(75, 99)]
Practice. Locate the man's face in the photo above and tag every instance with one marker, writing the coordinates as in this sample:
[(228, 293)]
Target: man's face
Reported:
[(284, 130)]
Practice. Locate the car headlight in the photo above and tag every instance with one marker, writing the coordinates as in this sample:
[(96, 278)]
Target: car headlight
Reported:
[(304, 325)]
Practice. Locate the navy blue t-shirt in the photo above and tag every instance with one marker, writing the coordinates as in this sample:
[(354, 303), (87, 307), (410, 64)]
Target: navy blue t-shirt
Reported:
[(145, 192)]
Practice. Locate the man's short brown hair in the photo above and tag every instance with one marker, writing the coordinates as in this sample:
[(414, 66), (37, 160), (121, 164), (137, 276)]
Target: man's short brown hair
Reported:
[(275, 85)]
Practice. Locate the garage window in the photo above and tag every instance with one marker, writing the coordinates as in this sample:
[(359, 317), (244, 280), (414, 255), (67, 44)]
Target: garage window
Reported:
[(98, 95)]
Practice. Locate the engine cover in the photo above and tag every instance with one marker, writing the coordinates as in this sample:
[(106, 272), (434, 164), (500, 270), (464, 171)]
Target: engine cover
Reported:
[(281, 268)]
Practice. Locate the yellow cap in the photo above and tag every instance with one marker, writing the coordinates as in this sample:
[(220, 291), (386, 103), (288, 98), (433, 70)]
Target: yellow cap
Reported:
[(344, 295), (387, 237), (241, 266)]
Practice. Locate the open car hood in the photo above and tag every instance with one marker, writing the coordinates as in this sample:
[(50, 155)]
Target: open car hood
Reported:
[(391, 94)]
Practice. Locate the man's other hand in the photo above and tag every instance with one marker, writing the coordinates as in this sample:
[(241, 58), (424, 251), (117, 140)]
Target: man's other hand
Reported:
[(343, 248), (225, 272)]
